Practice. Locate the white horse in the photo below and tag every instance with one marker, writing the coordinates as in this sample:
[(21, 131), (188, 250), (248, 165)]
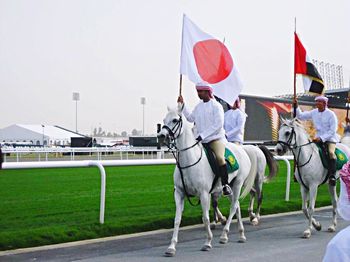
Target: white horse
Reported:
[(309, 172), (193, 176), (264, 156)]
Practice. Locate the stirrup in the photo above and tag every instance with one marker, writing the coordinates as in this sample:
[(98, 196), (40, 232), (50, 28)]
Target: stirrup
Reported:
[(226, 190)]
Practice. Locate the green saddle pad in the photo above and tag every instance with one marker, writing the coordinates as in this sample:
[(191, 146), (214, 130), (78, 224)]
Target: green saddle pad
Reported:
[(231, 161), (341, 158)]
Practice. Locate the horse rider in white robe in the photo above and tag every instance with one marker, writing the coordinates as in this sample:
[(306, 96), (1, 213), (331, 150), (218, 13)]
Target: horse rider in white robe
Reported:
[(208, 116), (338, 249), (326, 125), (234, 123)]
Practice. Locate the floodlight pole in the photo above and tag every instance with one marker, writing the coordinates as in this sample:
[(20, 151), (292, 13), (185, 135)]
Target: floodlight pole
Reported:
[(143, 102), (43, 134), (76, 98)]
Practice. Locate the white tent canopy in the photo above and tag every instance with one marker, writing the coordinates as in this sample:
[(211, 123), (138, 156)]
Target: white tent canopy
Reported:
[(37, 135)]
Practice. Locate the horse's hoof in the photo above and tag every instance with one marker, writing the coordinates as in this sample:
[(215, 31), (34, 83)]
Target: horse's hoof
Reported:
[(206, 247), (318, 226), (331, 229), (307, 234), (254, 221), (223, 240), (223, 221), (213, 226), (252, 217), (242, 239), (170, 252)]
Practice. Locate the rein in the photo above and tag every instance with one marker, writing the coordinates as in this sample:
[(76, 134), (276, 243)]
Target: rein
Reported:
[(171, 145), (289, 145)]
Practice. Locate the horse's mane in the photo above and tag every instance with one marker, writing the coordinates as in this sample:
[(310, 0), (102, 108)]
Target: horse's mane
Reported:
[(296, 123)]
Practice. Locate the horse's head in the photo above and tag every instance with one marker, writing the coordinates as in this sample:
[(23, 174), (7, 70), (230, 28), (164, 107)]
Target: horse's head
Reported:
[(287, 135), (172, 124)]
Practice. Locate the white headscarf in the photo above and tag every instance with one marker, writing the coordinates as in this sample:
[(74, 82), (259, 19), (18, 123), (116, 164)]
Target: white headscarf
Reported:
[(205, 86), (322, 98), (344, 198)]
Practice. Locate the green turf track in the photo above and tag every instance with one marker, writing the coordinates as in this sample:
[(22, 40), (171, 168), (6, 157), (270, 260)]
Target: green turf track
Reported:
[(47, 206)]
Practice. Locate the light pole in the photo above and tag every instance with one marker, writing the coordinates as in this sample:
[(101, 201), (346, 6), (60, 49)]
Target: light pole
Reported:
[(76, 98), (43, 134), (143, 102)]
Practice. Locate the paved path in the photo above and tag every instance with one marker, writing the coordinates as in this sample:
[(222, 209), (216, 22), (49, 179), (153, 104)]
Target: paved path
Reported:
[(277, 238)]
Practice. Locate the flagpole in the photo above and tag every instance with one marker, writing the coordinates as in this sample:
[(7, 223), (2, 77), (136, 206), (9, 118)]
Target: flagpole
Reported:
[(294, 95), (295, 89), (180, 89)]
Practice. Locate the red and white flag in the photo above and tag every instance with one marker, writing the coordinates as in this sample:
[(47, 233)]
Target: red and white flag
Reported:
[(302, 65), (204, 58)]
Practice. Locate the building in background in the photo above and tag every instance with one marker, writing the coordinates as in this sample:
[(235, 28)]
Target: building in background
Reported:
[(264, 113)]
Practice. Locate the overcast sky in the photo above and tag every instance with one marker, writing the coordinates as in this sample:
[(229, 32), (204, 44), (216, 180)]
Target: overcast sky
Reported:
[(113, 52)]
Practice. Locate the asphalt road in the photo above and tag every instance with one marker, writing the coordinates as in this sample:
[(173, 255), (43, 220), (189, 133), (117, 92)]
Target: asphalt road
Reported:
[(277, 238)]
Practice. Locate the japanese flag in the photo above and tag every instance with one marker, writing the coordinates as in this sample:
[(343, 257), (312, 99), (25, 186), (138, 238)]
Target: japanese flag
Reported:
[(206, 59)]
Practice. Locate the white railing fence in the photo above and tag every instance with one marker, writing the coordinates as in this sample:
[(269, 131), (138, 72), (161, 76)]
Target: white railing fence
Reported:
[(21, 154), (103, 163)]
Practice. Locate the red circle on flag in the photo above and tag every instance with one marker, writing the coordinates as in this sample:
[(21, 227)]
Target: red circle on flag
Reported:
[(213, 60)]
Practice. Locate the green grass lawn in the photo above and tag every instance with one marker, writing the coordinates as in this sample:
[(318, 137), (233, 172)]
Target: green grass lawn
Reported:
[(47, 206)]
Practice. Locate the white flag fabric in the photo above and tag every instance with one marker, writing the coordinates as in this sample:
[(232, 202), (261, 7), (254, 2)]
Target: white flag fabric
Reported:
[(206, 59)]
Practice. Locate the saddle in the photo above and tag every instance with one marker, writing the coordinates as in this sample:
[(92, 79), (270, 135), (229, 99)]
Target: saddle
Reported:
[(231, 161), (341, 157)]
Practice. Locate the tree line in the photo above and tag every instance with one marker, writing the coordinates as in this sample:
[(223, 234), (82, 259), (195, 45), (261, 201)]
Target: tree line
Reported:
[(99, 132)]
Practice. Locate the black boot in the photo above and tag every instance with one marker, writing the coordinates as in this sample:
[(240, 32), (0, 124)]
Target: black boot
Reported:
[(331, 171), (226, 189)]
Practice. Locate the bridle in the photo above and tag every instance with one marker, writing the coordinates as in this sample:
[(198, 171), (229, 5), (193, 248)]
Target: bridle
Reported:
[(174, 133), (288, 144), (176, 128), (291, 146), (172, 144)]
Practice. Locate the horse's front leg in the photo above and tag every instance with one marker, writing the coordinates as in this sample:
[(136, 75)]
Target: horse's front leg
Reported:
[(309, 212), (179, 202), (240, 226), (304, 197), (333, 193), (205, 202)]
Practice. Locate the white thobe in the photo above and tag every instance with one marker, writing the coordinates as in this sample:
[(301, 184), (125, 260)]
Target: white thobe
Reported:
[(209, 120), (326, 123), (338, 249), (234, 125)]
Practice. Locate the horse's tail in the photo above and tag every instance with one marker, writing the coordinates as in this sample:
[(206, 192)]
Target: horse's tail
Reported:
[(249, 181), (271, 162)]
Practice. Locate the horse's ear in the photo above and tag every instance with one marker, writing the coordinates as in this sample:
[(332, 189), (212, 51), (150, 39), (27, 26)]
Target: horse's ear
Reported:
[(168, 107), (297, 120), (283, 121)]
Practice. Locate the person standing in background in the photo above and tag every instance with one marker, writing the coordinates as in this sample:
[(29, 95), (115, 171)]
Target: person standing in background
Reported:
[(234, 123)]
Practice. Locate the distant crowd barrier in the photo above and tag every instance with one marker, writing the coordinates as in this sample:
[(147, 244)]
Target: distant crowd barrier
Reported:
[(102, 163), (20, 154)]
